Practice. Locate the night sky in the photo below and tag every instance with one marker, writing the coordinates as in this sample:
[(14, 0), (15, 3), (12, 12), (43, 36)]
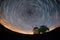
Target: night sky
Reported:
[(22, 15)]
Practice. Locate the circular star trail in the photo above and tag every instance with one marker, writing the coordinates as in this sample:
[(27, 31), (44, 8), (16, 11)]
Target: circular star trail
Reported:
[(21, 15)]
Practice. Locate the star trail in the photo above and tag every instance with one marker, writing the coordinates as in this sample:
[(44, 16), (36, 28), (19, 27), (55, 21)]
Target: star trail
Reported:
[(24, 14)]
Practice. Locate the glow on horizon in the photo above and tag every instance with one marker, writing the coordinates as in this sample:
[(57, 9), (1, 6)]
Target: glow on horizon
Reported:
[(13, 29), (21, 31)]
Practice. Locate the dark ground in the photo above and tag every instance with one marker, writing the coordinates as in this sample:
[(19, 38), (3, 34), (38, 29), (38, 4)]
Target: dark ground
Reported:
[(6, 34)]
